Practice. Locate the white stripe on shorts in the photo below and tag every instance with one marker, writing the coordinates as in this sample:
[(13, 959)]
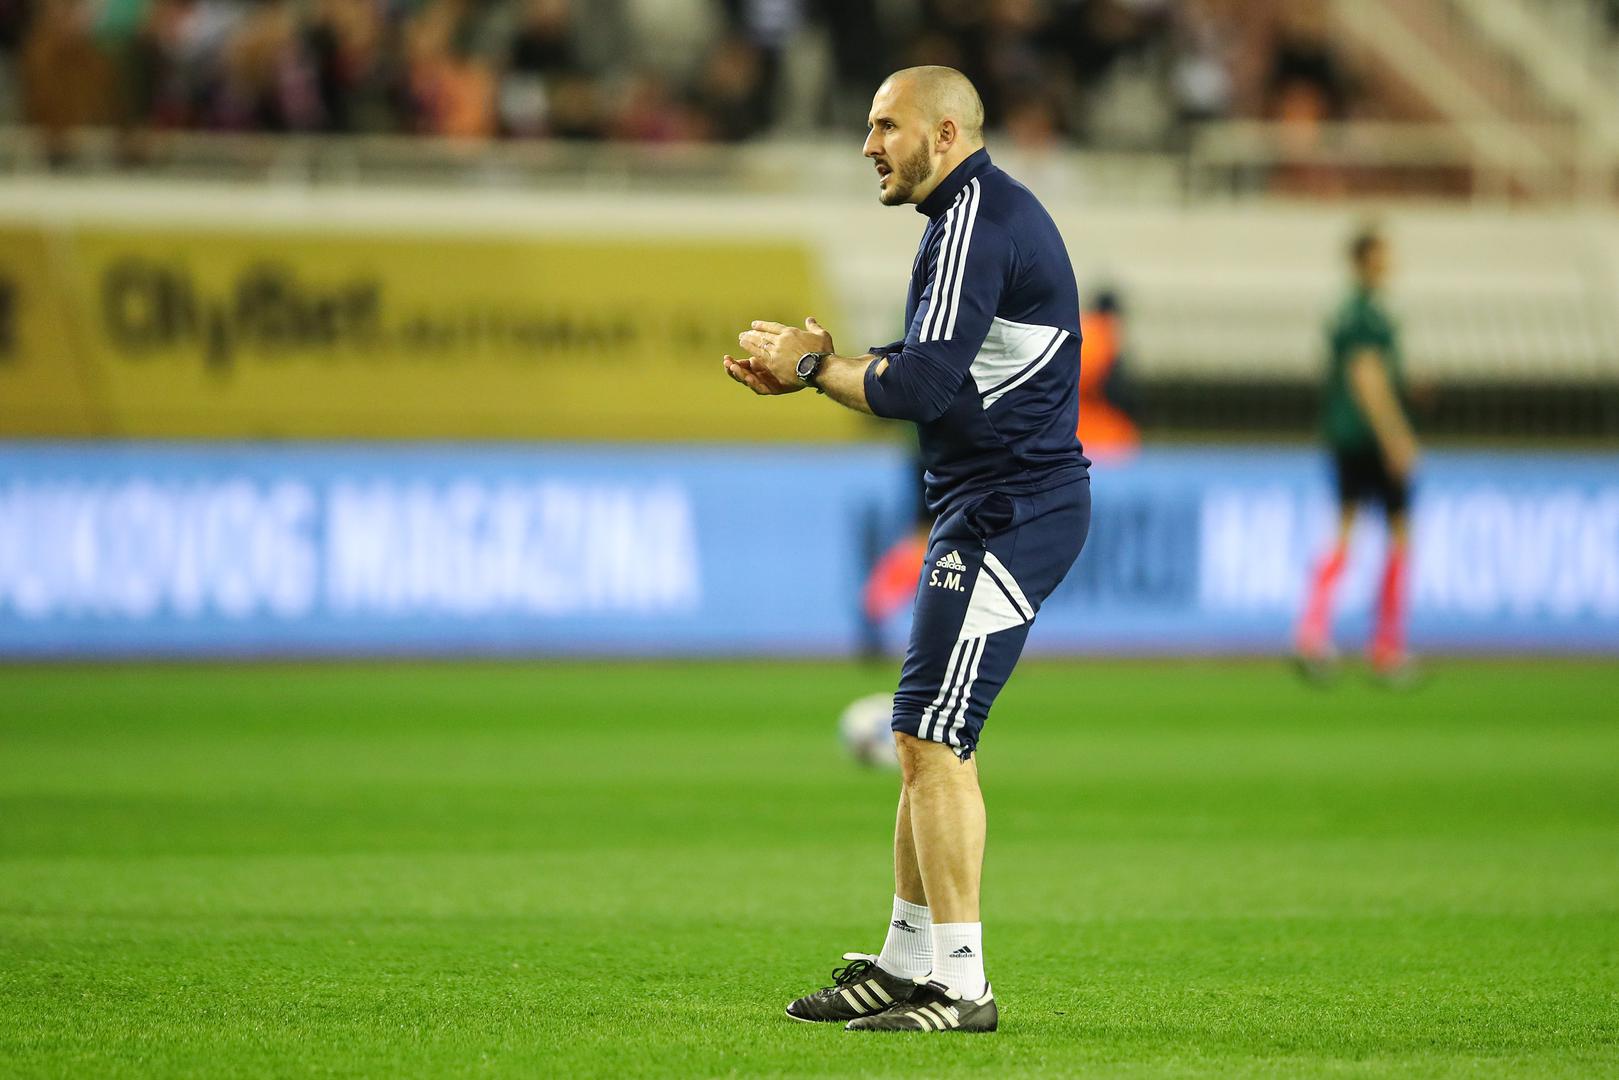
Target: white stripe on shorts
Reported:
[(954, 737), (969, 659), (944, 688)]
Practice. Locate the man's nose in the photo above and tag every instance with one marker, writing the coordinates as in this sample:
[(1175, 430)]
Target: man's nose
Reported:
[(872, 147)]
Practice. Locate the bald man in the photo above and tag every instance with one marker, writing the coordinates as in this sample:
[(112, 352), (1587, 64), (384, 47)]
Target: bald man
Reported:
[(988, 371)]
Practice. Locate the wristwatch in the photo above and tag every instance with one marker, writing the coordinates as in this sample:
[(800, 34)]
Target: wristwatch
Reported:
[(809, 366)]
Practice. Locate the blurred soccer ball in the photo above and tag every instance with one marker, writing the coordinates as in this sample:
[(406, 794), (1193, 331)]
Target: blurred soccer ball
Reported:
[(864, 729)]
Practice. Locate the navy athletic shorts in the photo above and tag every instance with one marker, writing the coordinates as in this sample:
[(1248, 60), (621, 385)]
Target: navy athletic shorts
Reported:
[(990, 565)]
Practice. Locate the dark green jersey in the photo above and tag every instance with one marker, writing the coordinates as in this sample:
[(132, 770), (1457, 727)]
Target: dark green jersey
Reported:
[(1361, 322)]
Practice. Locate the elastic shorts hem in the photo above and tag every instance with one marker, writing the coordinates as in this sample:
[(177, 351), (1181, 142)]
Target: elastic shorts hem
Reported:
[(911, 724)]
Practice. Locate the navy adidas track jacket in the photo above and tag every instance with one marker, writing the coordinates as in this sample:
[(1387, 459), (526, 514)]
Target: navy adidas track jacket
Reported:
[(989, 368)]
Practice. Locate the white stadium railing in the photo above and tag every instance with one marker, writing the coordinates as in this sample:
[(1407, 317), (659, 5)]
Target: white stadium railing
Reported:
[(1479, 161)]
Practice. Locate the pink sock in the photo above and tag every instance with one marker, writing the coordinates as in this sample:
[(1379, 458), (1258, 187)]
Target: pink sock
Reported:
[(1315, 628), (1388, 640)]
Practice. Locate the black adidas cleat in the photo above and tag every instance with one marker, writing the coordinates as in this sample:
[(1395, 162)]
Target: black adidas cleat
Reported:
[(859, 988), (934, 1008)]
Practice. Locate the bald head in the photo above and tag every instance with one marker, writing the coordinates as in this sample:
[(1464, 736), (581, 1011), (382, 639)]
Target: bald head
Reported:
[(924, 122), (943, 93)]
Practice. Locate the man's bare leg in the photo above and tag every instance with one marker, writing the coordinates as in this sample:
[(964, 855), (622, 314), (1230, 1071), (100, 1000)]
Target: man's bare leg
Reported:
[(946, 810), (907, 875), (908, 948)]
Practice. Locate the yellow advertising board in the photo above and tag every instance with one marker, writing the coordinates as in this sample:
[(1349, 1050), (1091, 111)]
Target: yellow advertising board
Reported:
[(269, 333), (45, 382)]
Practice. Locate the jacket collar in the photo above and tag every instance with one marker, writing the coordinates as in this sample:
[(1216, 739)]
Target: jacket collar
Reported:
[(942, 196)]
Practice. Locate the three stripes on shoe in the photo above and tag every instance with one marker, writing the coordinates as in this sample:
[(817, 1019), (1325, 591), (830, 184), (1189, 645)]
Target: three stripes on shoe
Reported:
[(866, 997), (934, 1016)]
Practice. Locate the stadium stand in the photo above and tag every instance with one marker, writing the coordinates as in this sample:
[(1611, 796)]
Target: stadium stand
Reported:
[(651, 70)]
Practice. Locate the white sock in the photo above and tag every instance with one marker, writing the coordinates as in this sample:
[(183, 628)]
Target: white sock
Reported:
[(958, 957), (908, 949)]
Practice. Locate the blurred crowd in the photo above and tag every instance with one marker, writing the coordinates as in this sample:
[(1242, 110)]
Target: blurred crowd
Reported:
[(1111, 71)]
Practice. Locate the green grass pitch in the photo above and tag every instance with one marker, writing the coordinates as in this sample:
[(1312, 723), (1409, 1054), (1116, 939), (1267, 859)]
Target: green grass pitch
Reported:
[(577, 870)]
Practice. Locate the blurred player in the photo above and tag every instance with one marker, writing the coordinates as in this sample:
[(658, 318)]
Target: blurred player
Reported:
[(1106, 427), (891, 584), (989, 371), (1374, 455)]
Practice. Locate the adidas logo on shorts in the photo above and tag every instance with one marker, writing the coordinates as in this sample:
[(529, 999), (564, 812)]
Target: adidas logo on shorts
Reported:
[(951, 561)]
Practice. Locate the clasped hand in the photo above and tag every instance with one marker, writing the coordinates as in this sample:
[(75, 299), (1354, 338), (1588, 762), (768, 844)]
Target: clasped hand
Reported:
[(773, 351)]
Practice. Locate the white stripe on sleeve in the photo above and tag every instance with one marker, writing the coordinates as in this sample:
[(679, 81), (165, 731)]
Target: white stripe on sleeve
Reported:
[(961, 261), (933, 325)]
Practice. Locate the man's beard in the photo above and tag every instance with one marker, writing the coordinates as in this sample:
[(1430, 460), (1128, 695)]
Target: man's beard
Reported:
[(912, 171)]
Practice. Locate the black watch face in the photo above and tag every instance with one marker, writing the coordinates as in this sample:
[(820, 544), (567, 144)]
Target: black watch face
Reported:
[(807, 365)]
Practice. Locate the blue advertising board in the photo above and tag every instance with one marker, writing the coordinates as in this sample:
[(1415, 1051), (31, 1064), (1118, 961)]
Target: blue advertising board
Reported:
[(315, 549), (1209, 551)]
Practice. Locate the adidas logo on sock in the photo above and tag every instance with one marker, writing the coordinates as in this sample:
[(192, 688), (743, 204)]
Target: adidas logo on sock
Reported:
[(951, 561), (901, 924), (965, 952)]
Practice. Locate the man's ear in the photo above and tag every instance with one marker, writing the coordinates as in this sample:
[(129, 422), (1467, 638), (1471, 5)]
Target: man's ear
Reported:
[(948, 133)]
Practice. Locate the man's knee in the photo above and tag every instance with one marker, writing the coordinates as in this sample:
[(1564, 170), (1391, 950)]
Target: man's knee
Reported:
[(923, 761)]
